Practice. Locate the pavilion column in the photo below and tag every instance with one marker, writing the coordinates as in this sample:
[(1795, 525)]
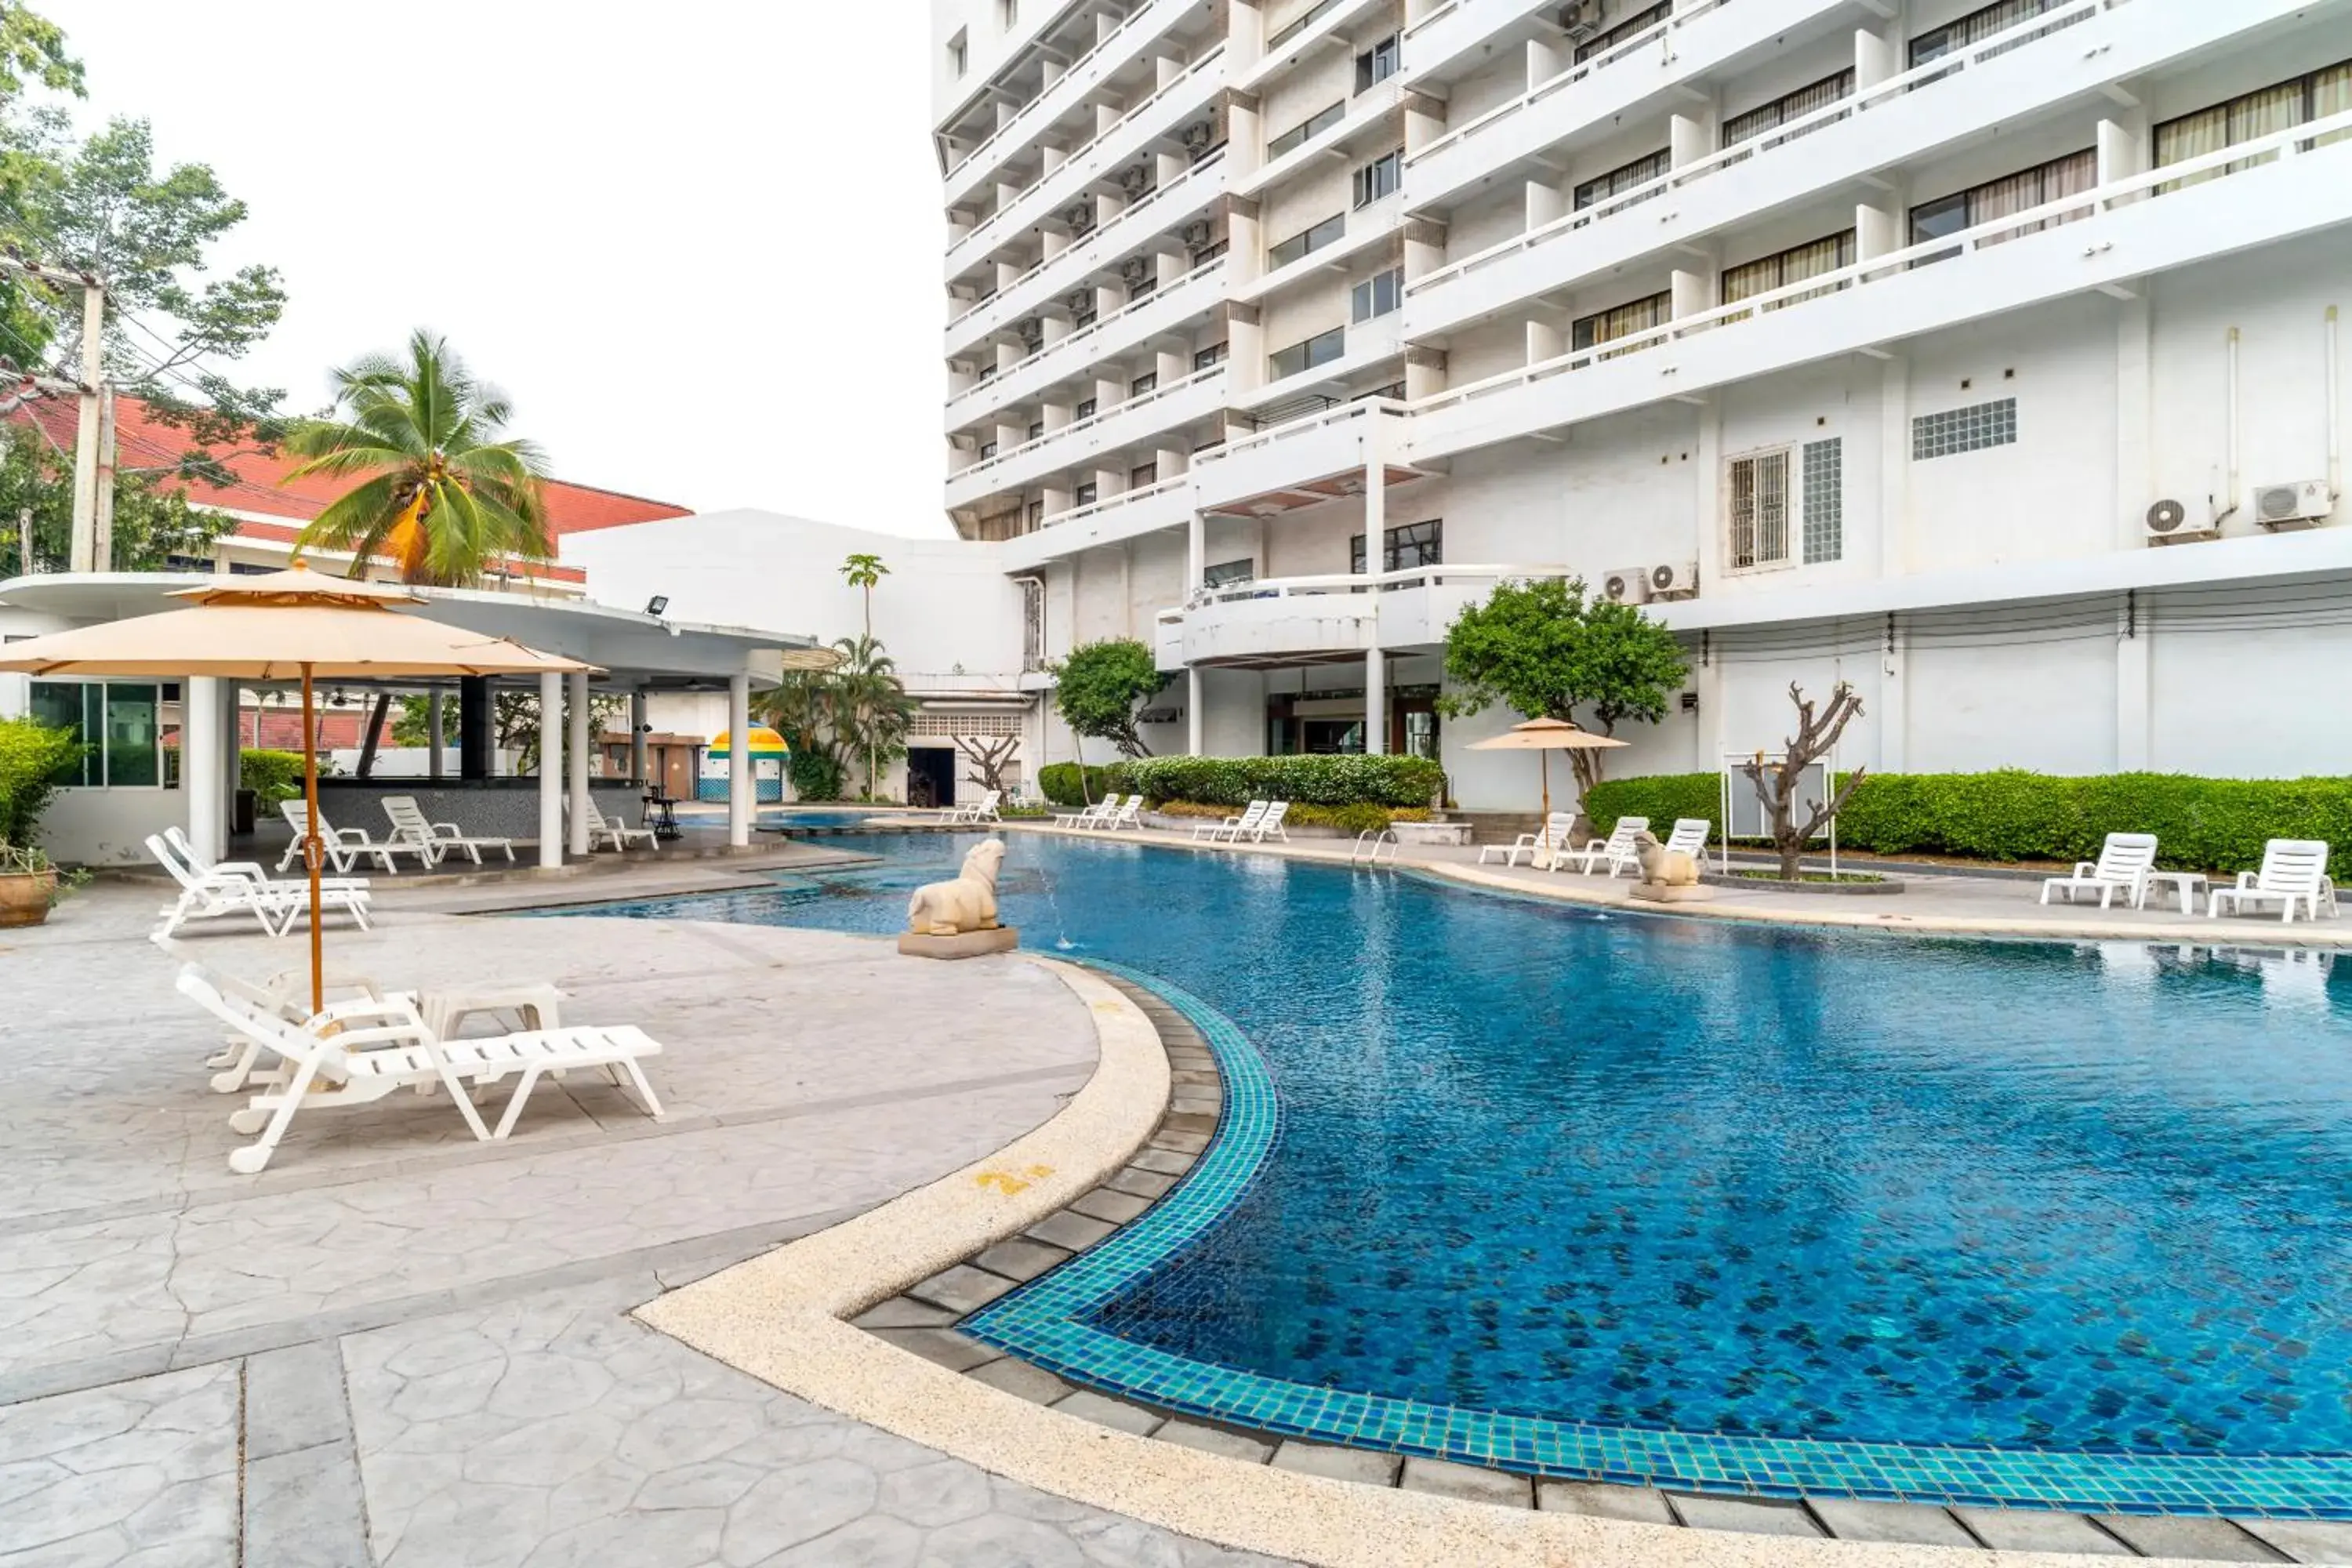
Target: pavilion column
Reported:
[(551, 769), (200, 768), (475, 729), (1376, 701), (637, 727), (1195, 689), (432, 734), (738, 760), (575, 759), (232, 761)]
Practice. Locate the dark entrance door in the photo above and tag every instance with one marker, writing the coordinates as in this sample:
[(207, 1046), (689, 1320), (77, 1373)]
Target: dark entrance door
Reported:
[(931, 776)]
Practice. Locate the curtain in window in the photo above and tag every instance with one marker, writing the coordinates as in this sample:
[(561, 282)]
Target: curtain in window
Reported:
[(2192, 136), (2331, 94)]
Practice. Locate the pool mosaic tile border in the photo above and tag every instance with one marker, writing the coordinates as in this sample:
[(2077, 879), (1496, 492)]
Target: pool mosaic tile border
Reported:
[(1043, 1323)]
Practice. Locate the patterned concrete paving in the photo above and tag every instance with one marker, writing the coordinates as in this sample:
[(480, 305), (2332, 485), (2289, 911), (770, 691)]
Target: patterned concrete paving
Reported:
[(400, 1346)]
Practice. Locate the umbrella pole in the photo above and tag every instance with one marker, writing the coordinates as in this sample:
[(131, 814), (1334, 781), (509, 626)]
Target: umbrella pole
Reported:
[(1543, 823), (313, 852)]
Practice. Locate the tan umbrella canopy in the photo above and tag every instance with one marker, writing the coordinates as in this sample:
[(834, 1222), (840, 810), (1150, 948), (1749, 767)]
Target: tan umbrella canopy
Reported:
[(1545, 736), (283, 625)]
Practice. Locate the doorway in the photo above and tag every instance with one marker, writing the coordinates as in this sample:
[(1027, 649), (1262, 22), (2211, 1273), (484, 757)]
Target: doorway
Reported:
[(931, 776)]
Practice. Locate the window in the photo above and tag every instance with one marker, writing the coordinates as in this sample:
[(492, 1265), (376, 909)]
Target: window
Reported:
[(1225, 573), (1084, 494), (1639, 316), (1149, 381), (988, 371), (1142, 285), (1793, 265), (1213, 354), (1299, 358), (1036, 515), (1632, 26), (1640, 171), (1994, 199), (1083, 316), (1304, 20), (1824, 500), (2241, 119), (1789, 106), (1377, 64), (1306, 242), (1033, 624), (987, 450), (203, 564), (1376, 296), (117, 720), (1008, 13), (1759, 511), (958, 56), (1937, 42), (1036, 428), (1298, 135), (1402, 549), (1970, 430), (1210, 252), (1085, 409), (1378, 178), (1142, 475)]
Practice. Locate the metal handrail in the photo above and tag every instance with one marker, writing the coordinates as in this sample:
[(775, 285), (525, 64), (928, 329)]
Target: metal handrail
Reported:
[(1069, 73), (1378, 836)]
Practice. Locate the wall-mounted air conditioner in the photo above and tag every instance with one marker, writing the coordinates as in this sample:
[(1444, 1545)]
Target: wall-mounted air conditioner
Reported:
[(2303, 504), (1626, 585), (1199, 133), (1581, 19), (1197, 232), (2167, 524), (1135, 269), (1674, 580), (1135, 178)]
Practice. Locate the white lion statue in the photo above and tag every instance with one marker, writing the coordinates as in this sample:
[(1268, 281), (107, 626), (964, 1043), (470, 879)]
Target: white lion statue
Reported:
[(1660, 868), (968, 903)]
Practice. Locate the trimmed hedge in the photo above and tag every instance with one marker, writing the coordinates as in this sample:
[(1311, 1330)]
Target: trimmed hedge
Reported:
[(1358, 818), (33, 756), (1060, 782), (1302, 780), (2201, 824), (272, 776)]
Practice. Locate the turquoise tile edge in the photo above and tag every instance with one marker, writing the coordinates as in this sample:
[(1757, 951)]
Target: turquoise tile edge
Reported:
[(1044, 1321)]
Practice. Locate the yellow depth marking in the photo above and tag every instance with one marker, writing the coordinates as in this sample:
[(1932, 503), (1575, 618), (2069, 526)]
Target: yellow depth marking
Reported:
[(1009, 1182)]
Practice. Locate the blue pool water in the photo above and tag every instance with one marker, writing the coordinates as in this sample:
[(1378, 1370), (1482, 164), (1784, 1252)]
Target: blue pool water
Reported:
[(1680, 1176), (814, 816)]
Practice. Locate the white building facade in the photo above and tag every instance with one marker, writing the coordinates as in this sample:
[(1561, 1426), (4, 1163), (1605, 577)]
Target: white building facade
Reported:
[(1983, 356)]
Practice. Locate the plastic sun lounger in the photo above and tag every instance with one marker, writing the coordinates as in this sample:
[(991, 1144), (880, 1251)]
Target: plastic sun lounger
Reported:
[(2125, 861), (602, 827), (1617, 849), (235, 890), (1236, 825), (1552, 838), (1128, 816), (1270, 824), (1087, 817), (343, 845), (2295, 871), (1689, 837), (178, 837), (436, 840)]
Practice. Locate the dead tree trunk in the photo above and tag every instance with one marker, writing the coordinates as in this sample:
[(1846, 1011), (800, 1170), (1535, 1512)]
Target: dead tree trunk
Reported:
[(1776, 784), (988, 755)]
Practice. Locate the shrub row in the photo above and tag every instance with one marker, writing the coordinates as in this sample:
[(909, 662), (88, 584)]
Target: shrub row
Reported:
[(1059, 781), (32, 757), (272, 776), (1408, 782), (2201, 824)]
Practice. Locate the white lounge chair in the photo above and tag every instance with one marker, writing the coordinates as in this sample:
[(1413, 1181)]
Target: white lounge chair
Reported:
[(1537, 846), (178, 837), (1269, 825), (982, 810), (603, 829), (1128, 816), (1617, 849), (1236, 826), (1107, 805), (437, 839), (2295, 871), (2125, 861), (240, 889), (342, 846)]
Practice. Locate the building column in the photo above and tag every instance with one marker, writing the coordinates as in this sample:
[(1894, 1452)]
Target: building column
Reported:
[(200, 769), (1376, 701), (432, 733), (638, 735), (2134, 688), (551, 769), (1196, 687), (477, 729), (738, 760), (1196, 554), (576, 758)]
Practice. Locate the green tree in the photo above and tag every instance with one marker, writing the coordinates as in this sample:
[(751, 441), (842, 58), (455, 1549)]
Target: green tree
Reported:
[(443, 489), (866, 572), (1101, 687), (1544, 651), (873, 714), (153, 520)]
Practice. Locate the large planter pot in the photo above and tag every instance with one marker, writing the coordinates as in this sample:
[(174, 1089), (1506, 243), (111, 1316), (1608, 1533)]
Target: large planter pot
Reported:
[(25, 897)]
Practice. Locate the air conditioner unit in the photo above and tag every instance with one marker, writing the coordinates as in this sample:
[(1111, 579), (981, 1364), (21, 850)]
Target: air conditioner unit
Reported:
[(1580, 20), (1080, 303), (2304, 504), (2167, 524), (1135, 178), (1033, 332), (1135, 269), (1196, 233), (1673, 580), (1626, 585), (1199, 133), (1081, 216)]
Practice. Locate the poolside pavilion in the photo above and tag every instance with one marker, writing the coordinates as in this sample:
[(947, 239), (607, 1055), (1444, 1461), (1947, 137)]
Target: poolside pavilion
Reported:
[(131, 790)]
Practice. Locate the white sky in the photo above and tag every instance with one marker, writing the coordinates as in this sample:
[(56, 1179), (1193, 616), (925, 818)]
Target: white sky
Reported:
[(695, 242)]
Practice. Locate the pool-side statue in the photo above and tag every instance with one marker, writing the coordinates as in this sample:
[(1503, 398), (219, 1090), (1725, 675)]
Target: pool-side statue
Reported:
[(961, 907), (1667, 877)]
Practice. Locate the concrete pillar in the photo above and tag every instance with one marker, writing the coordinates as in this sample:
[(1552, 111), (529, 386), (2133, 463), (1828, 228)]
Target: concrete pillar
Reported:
[(1693, 292), (1196, 552), (1541, 204), (637, 736), (200, 770), (1546, 342), (1545, 61), (1877, 231), (2135, 418), (738, 760), (2135, 689), (433, 766), (1690, 138), (1376, 701), (575, 759), (1194, 691), (2122, 152), (1376, 489), (551, 769)]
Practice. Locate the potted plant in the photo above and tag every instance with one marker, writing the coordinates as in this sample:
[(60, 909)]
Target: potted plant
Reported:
[(28, 885), (34, 758)]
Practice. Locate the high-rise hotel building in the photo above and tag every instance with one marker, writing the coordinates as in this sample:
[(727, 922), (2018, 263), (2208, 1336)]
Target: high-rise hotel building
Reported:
[(1984, 357)]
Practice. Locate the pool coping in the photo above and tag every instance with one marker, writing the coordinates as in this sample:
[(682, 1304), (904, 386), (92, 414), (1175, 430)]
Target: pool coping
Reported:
[(783, 1318)]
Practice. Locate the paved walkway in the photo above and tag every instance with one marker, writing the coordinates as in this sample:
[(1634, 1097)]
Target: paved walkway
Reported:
[(401, 1346)]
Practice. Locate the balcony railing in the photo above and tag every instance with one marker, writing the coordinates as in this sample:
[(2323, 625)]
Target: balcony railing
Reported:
[(1112, 506), (1893, 89), (1364, 582), (1115, 411), (970, 246), (1095, 332), (1194, 178), (2261, 151), (1011, 129)]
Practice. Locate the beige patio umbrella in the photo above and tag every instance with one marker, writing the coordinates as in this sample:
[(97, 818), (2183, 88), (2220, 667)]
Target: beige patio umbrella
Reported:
[(1543, 737), (282, 626)]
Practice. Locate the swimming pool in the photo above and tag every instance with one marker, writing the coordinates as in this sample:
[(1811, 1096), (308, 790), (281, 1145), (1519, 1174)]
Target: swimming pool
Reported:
[(831, 819), (1685, 1202)]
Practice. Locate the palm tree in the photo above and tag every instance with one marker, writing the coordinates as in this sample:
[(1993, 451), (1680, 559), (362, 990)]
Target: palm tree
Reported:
[(871, 703), (866, 572), (445, 493)]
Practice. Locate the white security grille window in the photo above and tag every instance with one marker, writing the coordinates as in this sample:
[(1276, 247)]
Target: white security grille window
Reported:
[(1824, 500), (1033, 624), (1759, 511), (954, 724), (1970, 430)]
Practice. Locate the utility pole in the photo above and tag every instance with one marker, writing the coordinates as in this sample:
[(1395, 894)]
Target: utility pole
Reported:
[(102, 522), (25, 541), (93, 495)]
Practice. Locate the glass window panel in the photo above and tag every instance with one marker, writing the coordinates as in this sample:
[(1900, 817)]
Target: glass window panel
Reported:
[(1625, 31), (1640, 171), (1824, 500)]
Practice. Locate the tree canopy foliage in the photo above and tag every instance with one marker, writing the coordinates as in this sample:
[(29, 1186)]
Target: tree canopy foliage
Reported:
[(1101, 687)]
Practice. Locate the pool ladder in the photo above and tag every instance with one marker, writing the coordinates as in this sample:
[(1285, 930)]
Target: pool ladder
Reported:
[(1369, 845)]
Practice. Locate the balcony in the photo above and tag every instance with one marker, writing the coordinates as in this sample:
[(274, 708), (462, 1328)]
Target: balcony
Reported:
[(1293, 618), (1132, 423), (1366, 228), (1459, 35), (1367, 118), (1128, 515), (2259, 191), (1163, 310), (1315, 457), (1325, 30), (1181, 200), (1703, 37), (2009, 77), (1159, 117), (1370, 345), (1076, 85)]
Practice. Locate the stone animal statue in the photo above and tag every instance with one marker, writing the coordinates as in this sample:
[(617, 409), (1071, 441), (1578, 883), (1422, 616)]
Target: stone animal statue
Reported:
[(968, 903), (1662, 869)]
